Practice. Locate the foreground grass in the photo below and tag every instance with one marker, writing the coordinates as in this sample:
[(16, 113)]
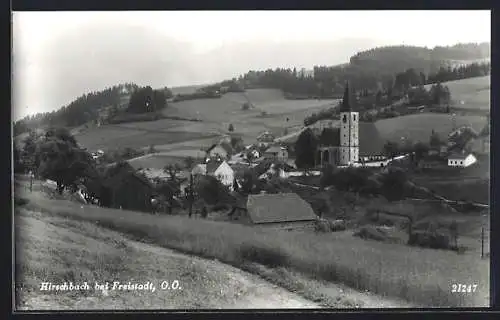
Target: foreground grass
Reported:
[(421, 276)]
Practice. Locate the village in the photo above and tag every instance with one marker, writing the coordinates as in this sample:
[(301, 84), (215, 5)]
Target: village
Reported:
[(349, 144)]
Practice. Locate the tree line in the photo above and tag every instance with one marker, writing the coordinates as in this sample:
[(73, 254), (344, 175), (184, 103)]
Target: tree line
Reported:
[(87, 107)]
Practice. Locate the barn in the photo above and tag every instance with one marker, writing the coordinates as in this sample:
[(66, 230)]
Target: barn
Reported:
[(126, 189), (285, 211)]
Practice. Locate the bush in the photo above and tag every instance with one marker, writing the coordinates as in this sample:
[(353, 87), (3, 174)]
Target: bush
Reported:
[(371, 233), (322, 226), (438, 239), (20, 201), (220, 207), (271, 257)]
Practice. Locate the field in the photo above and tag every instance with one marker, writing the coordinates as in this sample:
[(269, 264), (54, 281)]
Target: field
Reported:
[(473, 92), (216, 115), (420, 276), (418, 127)]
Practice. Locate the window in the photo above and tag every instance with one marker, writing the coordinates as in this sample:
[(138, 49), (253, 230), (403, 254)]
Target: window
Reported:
[(344, 119), (461, 162), (354, 117)]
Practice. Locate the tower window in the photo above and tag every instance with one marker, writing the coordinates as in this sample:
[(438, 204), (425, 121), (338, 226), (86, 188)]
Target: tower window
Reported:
[(354, 117), (344, 119)]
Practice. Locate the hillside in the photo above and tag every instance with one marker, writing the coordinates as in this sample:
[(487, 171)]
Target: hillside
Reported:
[(366, 69), (394, 59), (472, 93)]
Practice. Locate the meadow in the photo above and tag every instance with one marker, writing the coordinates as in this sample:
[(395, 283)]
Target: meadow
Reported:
[(471, 93), (421, 276), (216, 115), (418, 127)]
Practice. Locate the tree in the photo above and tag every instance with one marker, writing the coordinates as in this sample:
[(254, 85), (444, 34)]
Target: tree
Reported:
[(306, 148), (172, 170), (434, 140), (189, 162), (62, 160), (151, 149), (237, 144), (394, 184), (391, 149), (327, 174), (230, 128), (211, 190), (248, 182), (420, 150)]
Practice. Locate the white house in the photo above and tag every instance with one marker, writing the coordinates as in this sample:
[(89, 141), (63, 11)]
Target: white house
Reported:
[(225, 174), (221, 170), (462, 160)]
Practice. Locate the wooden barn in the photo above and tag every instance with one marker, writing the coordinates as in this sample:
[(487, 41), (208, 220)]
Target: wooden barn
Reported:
[(127, 190), (285, 211)]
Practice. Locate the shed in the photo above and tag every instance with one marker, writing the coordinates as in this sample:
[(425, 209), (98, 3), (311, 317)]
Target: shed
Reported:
[(282, 210), (126, 189)]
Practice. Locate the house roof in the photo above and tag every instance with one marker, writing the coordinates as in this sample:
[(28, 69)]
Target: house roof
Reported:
[(370, 141), (458, 156), (273, 149), (268, 208), (212, 165), (119, 175)]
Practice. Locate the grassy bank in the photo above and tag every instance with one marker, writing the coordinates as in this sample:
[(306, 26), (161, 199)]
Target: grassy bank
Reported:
[(423, 277)]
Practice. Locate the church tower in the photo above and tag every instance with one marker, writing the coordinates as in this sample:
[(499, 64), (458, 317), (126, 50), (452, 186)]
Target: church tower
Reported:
[(349, 129)]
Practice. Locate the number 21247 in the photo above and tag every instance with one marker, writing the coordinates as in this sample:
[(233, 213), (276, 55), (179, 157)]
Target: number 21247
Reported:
[(463, 288)]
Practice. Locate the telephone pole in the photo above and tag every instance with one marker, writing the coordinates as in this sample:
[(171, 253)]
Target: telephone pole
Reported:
[(190, 195)]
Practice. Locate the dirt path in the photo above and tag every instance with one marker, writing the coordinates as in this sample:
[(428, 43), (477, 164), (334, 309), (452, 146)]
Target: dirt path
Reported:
[(85, 247)]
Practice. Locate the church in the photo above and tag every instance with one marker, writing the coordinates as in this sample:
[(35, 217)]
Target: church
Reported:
[(349, 141)]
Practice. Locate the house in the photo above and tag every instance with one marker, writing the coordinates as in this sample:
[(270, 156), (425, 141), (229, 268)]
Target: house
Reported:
[(276, 153), (225, 174), (266, 136), (219, 169), (125, 189), (220, 150), (461, 160), (283, 211)]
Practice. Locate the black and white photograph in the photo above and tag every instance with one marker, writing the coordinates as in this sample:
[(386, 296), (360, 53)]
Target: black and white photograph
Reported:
[(229, 160)]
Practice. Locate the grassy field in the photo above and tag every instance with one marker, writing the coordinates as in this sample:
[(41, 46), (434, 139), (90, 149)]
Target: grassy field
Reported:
[(418, 127), (216, 114), (421, 276), (474, 92)]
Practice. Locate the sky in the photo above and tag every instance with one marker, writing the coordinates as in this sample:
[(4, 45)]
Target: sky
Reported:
[(58, 56)]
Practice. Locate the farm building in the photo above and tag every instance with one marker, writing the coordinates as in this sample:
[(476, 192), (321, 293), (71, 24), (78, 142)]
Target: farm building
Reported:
[(283, 211), (462, 160), (126, 189), (276, 153)]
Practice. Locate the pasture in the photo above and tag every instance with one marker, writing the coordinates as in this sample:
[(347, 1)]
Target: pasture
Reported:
[(421, 276), (474, 92), (112, 137), (216, 115), (418, 127)]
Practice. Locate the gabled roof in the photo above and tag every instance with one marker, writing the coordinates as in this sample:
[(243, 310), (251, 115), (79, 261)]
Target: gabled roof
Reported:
[(370, 141), (212, 166), (281, 207), (274, 149), (458, 156)]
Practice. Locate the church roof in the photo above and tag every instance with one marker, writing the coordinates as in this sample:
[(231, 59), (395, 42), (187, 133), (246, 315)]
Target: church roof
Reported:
[(370, 142), (346, 105)]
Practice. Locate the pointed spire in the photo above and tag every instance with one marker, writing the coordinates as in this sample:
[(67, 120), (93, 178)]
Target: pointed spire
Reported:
[(346, 106)]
